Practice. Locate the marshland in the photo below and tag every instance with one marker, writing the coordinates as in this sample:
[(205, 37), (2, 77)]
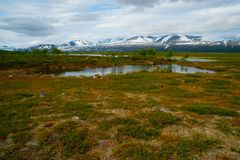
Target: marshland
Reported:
[(123, 105)]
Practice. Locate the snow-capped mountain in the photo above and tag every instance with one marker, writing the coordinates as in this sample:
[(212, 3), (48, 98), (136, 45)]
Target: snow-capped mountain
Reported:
[(178, 39), (111, 41), (161, 42), (80, 43), (7, 48), (140, 40), (43, 46), (154, 40), (75, 45)]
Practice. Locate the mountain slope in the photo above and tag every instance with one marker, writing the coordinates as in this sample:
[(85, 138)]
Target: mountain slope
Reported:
[(178, 39), (80, 43), (140, 40), (111, 41), (163, 42), (7, 48)]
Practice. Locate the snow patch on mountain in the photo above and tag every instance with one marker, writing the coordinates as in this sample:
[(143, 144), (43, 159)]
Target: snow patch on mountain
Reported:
[(43, 46), (140, 40), (80, 43), (111, 41), (7, 48)]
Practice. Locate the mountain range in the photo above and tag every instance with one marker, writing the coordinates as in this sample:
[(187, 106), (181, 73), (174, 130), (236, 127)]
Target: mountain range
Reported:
[(175, 41)]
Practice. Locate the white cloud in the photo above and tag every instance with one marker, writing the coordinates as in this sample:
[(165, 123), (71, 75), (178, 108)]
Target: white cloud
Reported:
[(57, 21), (33, 26)]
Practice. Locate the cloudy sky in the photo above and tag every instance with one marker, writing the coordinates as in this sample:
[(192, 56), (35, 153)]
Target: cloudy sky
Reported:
[(29, 22)]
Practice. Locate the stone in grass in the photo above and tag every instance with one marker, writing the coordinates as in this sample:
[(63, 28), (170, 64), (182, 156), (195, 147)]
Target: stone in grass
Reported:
[(48, 124), (42, 94), (32, 143), (75, 118), (98, 76)]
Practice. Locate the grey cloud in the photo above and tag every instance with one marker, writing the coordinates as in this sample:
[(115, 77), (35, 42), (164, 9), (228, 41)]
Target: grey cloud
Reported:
[(32, 26), (139, 3), (89, 17), (150, 3)]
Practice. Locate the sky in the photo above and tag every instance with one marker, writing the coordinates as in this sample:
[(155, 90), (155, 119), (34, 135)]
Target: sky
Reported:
[(30, 22)]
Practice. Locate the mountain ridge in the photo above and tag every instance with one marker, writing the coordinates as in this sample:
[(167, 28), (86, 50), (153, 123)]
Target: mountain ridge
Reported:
[(138, 41)]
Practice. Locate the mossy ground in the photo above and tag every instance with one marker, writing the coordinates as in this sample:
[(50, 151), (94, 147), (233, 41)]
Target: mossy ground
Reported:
[(135, 116)]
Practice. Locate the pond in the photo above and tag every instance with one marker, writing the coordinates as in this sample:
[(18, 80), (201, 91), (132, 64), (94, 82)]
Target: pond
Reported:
[(103, 71)]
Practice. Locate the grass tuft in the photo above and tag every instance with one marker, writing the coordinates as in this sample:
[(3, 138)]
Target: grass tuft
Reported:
[(137, 131), (81, 110), (15, 118), (105, 125), (184, 148), (202, 109), (228, 129), (162, 119), (75, 142)]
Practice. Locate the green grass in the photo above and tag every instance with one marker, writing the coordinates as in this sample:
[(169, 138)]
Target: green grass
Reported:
[(24, 95), (66, 126), (237, 150), (47, 62), (181, 93), (14, 85), (17, 96), (21, 95), (81, 110), (3, 97), (74, 141), (70, 136), (236, 101), (202, 109), (137, 152), (105, 125), (137, 131), (14, 153), (15, 118), (228, 129), (237, 76), (162, 119), (197, 144), (22, 137), (218, 84), (184, 148), (44, 128)]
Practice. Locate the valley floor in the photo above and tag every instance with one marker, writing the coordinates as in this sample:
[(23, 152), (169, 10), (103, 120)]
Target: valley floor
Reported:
[(144, 115)]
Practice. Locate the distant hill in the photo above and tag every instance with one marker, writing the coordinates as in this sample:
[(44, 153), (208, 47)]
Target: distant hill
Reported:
[(175, 41)]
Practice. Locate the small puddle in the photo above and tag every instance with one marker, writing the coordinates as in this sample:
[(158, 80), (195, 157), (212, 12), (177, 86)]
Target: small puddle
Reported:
[(103, 71)]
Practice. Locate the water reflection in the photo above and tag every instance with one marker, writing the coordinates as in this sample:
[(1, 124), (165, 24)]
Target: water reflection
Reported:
[(90, 72)]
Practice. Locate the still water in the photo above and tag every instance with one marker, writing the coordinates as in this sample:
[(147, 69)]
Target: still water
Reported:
[(103, 71)]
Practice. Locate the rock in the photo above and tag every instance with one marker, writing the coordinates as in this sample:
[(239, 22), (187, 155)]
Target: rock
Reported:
[(42, 94), (32, 143), (53, 67), (150, 62), (98, 76), (48, 124), (75, 118), (153, 68), (227, 76)]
